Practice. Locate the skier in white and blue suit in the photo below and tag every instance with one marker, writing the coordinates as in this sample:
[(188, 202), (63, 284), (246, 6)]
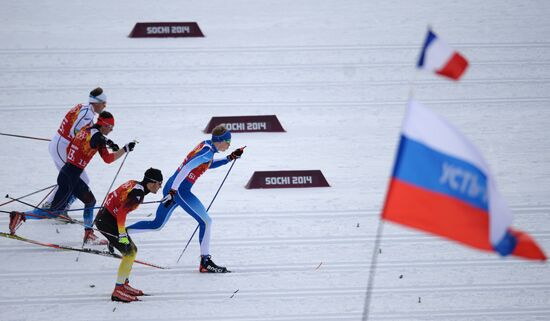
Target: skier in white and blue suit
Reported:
[(177, 192)]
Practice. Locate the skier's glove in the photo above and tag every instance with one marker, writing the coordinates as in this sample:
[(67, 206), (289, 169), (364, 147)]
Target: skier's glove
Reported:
[(114, 147), (169, 198), (123, 239), (129, 147), (125, 242), (237, 153)]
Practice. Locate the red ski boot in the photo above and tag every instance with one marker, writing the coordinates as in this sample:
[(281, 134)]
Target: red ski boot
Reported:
[(130, 290), (121, 296), (92, 239), (16, 219)]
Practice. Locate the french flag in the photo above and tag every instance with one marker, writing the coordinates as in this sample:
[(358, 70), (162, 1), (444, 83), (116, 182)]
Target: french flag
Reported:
[(437, 56), (442, 185)]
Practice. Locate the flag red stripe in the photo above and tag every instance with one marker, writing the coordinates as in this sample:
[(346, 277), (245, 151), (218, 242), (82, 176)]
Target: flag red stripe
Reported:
[(448, 217), (455, 67), (527, 247), (438, 214)]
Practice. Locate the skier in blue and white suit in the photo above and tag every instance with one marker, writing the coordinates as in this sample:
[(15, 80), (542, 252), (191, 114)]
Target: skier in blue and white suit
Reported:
[(177, 192)]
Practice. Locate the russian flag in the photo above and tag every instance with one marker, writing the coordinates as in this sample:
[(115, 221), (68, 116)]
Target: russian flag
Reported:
[(441, 184), (437, 56)]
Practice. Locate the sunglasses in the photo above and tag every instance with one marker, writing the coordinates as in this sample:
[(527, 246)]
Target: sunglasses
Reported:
[(155, 181)]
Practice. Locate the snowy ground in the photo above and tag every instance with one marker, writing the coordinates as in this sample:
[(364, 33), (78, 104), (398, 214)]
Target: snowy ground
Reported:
[(337, 74)]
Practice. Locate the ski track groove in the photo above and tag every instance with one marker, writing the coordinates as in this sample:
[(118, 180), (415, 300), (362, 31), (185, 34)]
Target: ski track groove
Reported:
[(264, 67), (237, 67), (245, 270), (290, 104), (357, 315), (336, 214), (294, 85), (240, 49), (276, 293), (287, 241)]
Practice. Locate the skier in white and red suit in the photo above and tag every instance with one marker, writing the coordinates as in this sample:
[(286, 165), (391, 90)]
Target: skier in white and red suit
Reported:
[(78, 117)]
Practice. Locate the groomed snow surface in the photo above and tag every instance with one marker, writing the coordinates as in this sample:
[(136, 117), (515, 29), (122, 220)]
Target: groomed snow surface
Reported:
[(337, 75)]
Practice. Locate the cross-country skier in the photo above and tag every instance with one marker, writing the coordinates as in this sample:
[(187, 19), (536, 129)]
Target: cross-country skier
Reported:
[(78, 117), (177, 192), (80, 151), (111, 222)]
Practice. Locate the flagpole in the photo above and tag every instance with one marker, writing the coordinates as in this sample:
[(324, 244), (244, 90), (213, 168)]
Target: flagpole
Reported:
[(380, 229), (372, 270), (376, 250)]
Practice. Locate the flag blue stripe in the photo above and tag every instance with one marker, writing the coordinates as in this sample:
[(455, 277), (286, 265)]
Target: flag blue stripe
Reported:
[(428, 168), (429, 38), (506, 245)]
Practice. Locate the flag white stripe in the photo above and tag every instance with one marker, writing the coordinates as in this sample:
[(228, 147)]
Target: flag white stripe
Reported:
[(437, 55), (422, 125)]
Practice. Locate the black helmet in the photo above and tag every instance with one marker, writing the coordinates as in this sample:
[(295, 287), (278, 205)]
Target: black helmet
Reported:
[(152, 175)]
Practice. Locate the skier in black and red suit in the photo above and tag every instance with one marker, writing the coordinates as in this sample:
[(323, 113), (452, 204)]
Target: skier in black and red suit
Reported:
[(111, 222), (81, 150)]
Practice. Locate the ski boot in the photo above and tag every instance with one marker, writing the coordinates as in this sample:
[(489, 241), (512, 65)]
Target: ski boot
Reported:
[(120, 295), (16, 219), (92, 239), (130, 290), (67, 209), (64, 218), (208, 266)]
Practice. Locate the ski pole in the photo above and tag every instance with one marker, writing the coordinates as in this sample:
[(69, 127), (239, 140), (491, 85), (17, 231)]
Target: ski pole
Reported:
[(53, 212), (35, 215), (28, 214), (114, 179), (62, 211), (219, 188), (152, 202), (36, 207), (27, 137), (44, 210), (40, 190), (46, 196), (67, 218)]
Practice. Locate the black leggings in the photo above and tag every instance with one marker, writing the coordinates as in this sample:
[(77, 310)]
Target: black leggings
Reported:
[(106, 224), (69, 183)]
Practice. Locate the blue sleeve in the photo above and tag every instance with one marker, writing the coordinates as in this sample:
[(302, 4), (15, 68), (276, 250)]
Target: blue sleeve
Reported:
[(204, 156), (219, 162)]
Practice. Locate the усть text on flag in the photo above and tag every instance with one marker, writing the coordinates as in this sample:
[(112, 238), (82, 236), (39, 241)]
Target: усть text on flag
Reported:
[(441, 184), (437, 56)]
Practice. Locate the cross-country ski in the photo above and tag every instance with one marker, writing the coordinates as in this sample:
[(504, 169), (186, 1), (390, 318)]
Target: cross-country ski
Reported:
[(69, 248)]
